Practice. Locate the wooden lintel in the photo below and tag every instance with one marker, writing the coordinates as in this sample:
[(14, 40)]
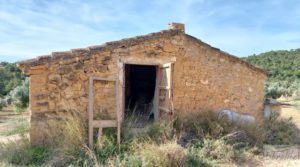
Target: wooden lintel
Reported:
[(104, 78)]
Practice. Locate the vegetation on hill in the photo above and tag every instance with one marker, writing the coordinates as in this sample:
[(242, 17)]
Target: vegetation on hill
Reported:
[(13, 87), (284, 71), (10, 77)]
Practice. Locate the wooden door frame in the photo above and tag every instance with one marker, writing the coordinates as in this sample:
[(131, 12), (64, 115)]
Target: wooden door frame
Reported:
[(121, 83)]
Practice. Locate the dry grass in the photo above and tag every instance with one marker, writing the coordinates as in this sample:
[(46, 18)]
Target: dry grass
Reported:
[(198, 140), (21, 153), (165, 155)]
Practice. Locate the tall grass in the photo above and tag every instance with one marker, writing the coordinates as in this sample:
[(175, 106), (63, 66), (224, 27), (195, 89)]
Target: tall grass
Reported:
[(22, 153), (197, 140)]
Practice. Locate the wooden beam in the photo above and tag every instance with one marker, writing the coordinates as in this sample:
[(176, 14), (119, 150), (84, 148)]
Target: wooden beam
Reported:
[(105, 123), (104, 78), (147, 61)]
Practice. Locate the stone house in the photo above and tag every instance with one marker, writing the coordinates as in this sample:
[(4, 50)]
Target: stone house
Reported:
[(155, 75)]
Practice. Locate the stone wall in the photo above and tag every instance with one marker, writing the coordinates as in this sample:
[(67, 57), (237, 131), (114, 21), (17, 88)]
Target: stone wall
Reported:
[(204, 79), (209, 79), (59, 82)]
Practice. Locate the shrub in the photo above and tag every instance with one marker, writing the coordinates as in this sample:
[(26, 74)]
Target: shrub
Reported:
[(73, 141), (280, 131), (283, 88), (2, 103), (159, 132), (212, 151), (21, 153), (19, 96), (275, 90), (199, 125), (168, 154), (128, 160), (107, 147)]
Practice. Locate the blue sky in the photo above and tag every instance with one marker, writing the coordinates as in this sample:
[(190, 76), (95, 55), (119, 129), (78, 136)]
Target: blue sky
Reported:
[(30, 28)]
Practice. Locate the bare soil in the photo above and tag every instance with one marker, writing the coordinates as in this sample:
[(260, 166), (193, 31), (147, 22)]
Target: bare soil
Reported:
[(9, 121), (287, 111)]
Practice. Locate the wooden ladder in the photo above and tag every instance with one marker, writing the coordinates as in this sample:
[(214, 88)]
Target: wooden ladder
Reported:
[(100, 124)]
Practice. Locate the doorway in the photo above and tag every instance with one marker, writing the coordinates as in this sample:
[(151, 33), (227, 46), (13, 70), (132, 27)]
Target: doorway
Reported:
[(140, 83)]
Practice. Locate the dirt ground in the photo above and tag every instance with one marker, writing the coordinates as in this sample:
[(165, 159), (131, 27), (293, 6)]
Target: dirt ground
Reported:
[(11, 124)]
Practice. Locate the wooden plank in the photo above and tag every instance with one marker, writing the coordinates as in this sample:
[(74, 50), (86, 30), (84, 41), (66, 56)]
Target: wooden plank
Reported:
[(119, 101), (90, 111), (171, 87), (164, 109), (162, 97), (164, 66), (104, 123), (156, 94), (165, 87), (104, 78)]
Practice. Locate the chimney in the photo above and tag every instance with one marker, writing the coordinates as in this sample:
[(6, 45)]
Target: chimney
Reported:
[(176, 26)]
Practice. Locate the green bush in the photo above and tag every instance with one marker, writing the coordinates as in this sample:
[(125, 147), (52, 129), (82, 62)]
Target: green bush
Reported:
[(283, 88), (10, 77), (2, 103), (19, 96), (280, 131), (201, 124)]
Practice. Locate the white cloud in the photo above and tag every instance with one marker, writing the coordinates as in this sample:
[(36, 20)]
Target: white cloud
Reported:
[(29, 28)]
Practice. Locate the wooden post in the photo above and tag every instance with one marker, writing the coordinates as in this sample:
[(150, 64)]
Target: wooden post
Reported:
[(119, 102), (156, 94), (90, 111)]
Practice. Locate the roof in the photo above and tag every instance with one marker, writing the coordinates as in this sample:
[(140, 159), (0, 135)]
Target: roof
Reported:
[(127, 42)]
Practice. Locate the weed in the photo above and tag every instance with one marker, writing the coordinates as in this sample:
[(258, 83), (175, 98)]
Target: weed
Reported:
[(280, 131), (21, 153), (167, 154)]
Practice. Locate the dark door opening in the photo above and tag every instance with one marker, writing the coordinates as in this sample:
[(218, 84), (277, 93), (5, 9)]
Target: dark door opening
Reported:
[(140, 83)]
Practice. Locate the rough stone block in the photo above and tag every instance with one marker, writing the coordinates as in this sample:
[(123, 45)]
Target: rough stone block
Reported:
[(54, 78)]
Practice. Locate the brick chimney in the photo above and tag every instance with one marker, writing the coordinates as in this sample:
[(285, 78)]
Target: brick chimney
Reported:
[(176, 26)]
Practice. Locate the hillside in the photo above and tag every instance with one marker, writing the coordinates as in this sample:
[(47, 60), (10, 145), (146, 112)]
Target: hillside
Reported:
[(283, 65), (284, 71)]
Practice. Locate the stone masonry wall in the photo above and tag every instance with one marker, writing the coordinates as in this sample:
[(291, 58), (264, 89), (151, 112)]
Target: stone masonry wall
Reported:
[(209, 79), (204, 79), (59, 83)]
